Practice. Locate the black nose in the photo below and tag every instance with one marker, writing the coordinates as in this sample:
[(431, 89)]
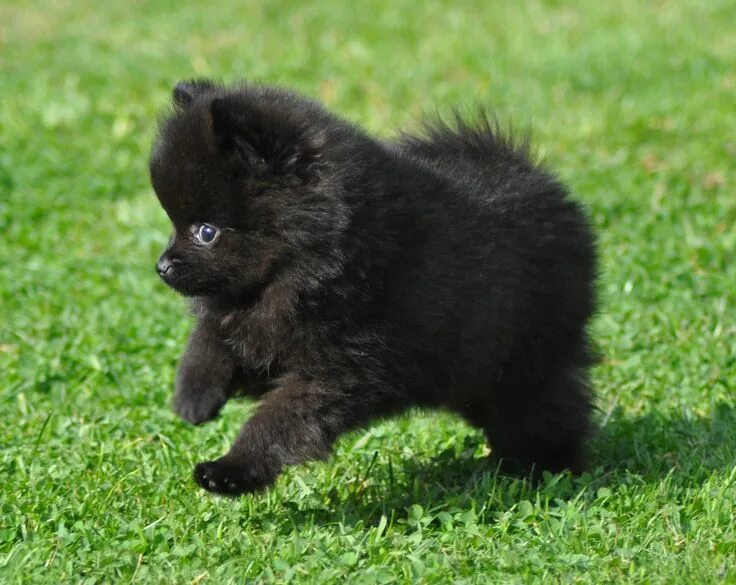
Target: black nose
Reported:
[(164, 265)]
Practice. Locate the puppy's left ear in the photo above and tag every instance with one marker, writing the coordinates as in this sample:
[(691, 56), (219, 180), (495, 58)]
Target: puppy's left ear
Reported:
[(185, 92), (265, 140)]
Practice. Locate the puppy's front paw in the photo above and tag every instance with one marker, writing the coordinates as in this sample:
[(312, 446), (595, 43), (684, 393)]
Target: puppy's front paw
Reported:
[(199, 407), (232, 477)]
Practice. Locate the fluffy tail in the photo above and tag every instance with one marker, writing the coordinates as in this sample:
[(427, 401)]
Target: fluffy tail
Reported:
[(478, 138)]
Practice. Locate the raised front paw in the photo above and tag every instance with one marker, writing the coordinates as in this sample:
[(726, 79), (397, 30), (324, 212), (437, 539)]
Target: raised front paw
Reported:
[(233, 477), (198, 407)]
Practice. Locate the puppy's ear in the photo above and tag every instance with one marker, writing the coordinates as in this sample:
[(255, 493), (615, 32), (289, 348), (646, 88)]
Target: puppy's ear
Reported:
[(265, 139), (184, 92), (230, 130)]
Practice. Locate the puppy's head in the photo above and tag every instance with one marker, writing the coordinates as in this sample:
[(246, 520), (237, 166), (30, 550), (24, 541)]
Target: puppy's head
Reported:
[(241, 174)]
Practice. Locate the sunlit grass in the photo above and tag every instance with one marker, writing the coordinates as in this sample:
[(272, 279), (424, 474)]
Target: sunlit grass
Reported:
[(630, 102)]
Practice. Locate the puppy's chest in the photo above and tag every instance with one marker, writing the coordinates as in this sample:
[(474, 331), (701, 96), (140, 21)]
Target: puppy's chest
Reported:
[(258, 340)]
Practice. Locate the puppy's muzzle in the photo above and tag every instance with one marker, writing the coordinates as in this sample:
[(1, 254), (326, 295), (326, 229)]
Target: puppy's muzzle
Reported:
[(165, 265)]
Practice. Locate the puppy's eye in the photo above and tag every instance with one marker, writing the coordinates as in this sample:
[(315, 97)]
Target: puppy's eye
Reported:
[(207, 234)]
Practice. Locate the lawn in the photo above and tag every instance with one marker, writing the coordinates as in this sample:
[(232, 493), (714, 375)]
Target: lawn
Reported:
[(632, 103)]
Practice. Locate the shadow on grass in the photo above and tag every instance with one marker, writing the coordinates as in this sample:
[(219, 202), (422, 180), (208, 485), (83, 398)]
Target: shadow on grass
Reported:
[(688, 446), (682, 447)]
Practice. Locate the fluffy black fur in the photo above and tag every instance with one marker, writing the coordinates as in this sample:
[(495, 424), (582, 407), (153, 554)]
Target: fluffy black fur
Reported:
[(350, 279)]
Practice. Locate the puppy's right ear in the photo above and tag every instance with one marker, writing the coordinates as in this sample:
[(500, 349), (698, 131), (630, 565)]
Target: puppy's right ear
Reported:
[(232, 135), (262, 138), (185, 92)]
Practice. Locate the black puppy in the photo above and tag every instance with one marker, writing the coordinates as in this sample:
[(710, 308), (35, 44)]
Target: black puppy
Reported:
[(342, 278)]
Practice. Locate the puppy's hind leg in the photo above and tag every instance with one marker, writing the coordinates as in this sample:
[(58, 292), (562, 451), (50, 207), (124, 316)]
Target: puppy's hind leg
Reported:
[(542, 428)]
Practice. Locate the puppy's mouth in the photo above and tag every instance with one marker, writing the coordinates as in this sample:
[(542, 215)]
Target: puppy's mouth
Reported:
[(168, 276), (174, 275)]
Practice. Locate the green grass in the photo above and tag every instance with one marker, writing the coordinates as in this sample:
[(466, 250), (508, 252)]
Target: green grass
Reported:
[(631, 102)]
